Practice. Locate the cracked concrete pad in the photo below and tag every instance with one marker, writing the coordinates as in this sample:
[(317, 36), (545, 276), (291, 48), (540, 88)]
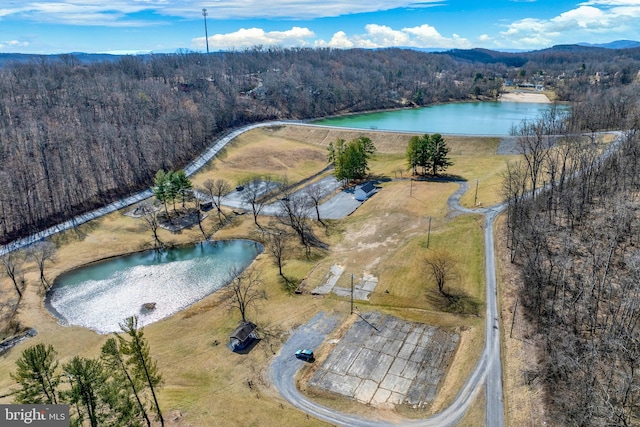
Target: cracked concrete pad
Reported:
[(342, 384), (343, 361), (365, 392), (410, 370), (407, 350), (419, 354), (369, 283), (376, 342), (384, 361), (396, 398), (392, 347), (381, 397), (371, 364), (397, 366), (330, 280), (396, 384)]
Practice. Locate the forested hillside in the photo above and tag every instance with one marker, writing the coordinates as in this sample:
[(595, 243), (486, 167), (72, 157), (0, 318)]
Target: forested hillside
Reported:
[(75, 135), (575, 245)]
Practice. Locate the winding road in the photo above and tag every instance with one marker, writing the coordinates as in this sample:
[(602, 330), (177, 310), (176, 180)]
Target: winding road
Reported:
[(488, 370)]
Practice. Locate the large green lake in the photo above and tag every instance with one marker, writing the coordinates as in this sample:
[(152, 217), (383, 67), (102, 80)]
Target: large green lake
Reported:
[(466, 118)]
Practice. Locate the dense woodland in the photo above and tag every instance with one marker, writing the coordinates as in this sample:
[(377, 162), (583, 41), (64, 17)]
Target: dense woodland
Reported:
[(575, 242), (74, 135), (77, 134)]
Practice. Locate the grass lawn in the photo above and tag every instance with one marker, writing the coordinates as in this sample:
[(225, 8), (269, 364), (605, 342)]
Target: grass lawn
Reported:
[(204, 383)]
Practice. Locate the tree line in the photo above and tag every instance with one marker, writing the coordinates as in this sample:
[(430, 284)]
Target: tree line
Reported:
[(572, 227), (116, 389), (76, 135)]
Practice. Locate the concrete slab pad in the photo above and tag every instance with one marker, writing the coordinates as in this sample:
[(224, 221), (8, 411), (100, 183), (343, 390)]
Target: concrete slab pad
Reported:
[(382, 360), (358, 294), (406, 350), (396, 384), (396, 398), (366, 390), (427, 336), (369, 282), (419, 354), (330, 281), (392, 347), (342, 363), (381, 367), (367, 363), (410, 370), (414, 336), (376, 342), (381, 396), (430, 393), (344, 385), (397, 366), (359, 332)]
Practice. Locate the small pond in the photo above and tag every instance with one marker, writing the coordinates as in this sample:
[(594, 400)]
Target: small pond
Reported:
[(491, 118), (101, 295)]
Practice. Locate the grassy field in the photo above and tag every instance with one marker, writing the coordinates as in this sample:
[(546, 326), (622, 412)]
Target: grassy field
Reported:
[(388, 237)]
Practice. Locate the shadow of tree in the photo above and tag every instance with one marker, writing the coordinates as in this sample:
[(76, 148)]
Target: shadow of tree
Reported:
[(289, 284), (455, 302)]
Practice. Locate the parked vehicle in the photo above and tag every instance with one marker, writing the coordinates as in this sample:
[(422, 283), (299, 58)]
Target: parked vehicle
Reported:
[(306, 355)]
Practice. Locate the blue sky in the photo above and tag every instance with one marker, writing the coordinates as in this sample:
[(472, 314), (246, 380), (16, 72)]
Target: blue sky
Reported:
[(139, 26)]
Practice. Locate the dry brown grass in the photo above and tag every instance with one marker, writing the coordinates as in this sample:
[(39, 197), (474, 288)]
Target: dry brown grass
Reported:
[(386, 237), (523, 402)]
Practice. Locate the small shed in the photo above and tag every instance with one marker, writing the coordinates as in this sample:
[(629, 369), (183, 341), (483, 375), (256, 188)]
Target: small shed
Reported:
[(243, 336), (206, 205), (364, 191)]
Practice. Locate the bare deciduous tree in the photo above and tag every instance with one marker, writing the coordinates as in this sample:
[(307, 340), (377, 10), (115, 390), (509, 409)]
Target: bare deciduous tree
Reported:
[(151, 220), (277, 244), (254, 193), (315, 195), (42, 252), (243, 291), (12, 263), (441, 266), (294, 212), (216, 190)]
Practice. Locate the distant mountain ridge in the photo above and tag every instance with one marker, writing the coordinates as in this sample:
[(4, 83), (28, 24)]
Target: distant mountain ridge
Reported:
[(618, 44), (511, 57)]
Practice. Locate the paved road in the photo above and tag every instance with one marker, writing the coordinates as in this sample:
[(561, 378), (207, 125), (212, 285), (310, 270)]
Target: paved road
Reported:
[(488, 367), (488, 370)]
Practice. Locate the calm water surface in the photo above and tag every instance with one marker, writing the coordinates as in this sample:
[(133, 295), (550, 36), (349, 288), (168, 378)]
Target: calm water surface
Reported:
[(101, 295), (467, 118)]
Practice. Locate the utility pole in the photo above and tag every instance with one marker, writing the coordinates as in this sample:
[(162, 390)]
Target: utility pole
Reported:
[(206, 34), (351, 293), (475, 202)]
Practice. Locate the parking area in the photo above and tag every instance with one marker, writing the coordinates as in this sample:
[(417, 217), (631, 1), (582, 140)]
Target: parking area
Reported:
[(339, 205), (385, 361)]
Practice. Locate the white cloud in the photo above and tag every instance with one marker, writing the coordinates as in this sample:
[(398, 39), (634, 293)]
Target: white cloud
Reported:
[(340, 40), (294, 9), (249, 37), (380, 36), (115, 12), (12, 44), (613, 17)]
